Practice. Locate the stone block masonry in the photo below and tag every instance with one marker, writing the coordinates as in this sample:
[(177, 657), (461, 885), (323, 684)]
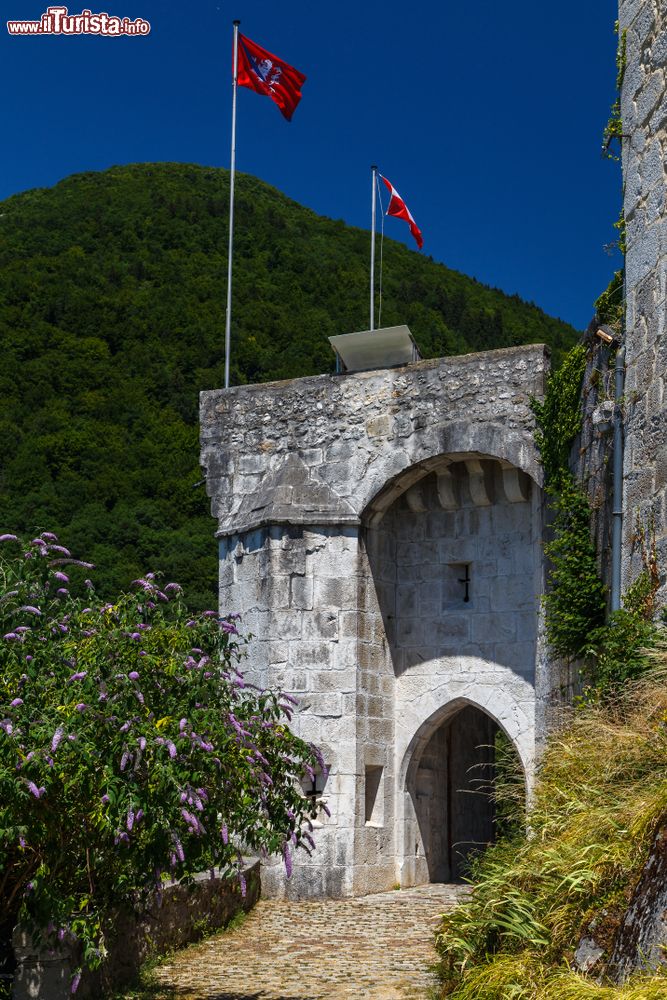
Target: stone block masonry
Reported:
[(644, 115), (380, 533)]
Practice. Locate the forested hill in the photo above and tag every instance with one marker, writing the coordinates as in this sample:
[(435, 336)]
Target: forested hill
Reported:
[(112, 289)]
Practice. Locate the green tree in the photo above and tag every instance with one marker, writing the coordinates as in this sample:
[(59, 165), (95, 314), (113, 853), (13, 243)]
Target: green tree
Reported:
[(112, 289)]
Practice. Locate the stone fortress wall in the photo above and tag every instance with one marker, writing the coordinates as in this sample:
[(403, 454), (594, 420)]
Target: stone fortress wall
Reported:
[(644, 115), (356, 513)]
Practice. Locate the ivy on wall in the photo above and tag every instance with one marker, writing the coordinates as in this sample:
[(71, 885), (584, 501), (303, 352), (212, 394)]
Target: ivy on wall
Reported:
[(559, 417), (575, 602), (575, 599), (614, 127)]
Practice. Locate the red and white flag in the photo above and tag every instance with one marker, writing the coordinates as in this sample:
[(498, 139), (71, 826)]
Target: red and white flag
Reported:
[(400, 210), (266, 74)]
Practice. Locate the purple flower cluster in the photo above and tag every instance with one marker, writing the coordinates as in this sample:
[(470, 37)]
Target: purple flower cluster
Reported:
[(34, 790), (207, 706), (178, 847), (194, 823)]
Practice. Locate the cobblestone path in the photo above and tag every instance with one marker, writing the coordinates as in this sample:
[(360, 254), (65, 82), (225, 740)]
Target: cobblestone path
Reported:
[(377, 946)]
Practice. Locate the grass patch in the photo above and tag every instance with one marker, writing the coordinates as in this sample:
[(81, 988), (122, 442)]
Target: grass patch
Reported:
[(602, 792)]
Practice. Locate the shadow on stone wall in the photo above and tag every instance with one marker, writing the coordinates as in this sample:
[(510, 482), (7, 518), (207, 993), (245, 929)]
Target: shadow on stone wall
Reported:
[(451, 791), (458, 582)]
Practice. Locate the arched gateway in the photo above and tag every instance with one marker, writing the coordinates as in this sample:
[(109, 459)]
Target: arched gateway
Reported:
[(380, 532)]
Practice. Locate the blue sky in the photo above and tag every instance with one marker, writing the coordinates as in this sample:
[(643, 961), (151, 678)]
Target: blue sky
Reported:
[(486, 117)]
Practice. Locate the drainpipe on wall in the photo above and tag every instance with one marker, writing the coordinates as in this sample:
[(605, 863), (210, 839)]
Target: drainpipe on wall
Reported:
[(617, 510)]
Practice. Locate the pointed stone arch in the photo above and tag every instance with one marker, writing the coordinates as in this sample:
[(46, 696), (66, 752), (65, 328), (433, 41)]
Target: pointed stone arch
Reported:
[(446, 812), (435, 448), (303, 476)]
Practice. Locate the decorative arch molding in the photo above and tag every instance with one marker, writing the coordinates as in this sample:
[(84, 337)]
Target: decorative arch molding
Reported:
[(394, 470), (434, 722), (500, 695), (424, 851)]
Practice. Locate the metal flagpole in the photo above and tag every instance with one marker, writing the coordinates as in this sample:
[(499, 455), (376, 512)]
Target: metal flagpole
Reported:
[(374, 172), (232, 172)]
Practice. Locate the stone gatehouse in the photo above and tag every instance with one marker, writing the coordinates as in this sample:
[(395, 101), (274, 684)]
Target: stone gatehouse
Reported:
[(381, 534)]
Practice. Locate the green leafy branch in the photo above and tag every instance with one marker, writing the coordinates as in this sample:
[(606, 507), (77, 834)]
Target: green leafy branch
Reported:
[(614, 127)]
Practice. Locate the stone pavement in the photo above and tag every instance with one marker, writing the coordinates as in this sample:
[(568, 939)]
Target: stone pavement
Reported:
[(377, 946)]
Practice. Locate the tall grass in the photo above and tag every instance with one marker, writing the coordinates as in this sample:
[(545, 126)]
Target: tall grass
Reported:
[(602, 792)]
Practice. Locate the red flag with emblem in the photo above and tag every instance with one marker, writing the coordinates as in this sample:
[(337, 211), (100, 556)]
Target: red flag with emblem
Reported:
[(266, 74), (400, 210)]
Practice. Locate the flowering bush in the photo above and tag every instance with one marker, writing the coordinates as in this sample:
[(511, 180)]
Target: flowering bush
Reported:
[(131, 750)]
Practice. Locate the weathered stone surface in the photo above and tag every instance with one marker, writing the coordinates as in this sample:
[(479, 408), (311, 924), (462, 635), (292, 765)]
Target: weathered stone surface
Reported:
[(588, 955), (381, 535), (643, 106), (293, 494), (41, 971), (476, 403), (642, 936)]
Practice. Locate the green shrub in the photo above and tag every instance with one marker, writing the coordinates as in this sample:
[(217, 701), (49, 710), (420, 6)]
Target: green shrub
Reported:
[(618, 651), (131, 749), (601, 794), (610, 305), (575, 601)]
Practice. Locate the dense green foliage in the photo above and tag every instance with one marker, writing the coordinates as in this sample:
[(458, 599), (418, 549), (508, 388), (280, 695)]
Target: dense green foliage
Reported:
[(558, 416), (610, 305), (112, 290), (130, 748), (575, 601), (601, 796)]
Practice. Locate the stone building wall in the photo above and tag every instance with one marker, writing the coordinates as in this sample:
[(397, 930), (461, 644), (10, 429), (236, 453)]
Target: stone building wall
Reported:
[(329, 492), (425, 559), (644, 114)]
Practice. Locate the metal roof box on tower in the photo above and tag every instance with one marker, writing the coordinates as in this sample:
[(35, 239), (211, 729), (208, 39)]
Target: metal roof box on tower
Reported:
[(373, 349)]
